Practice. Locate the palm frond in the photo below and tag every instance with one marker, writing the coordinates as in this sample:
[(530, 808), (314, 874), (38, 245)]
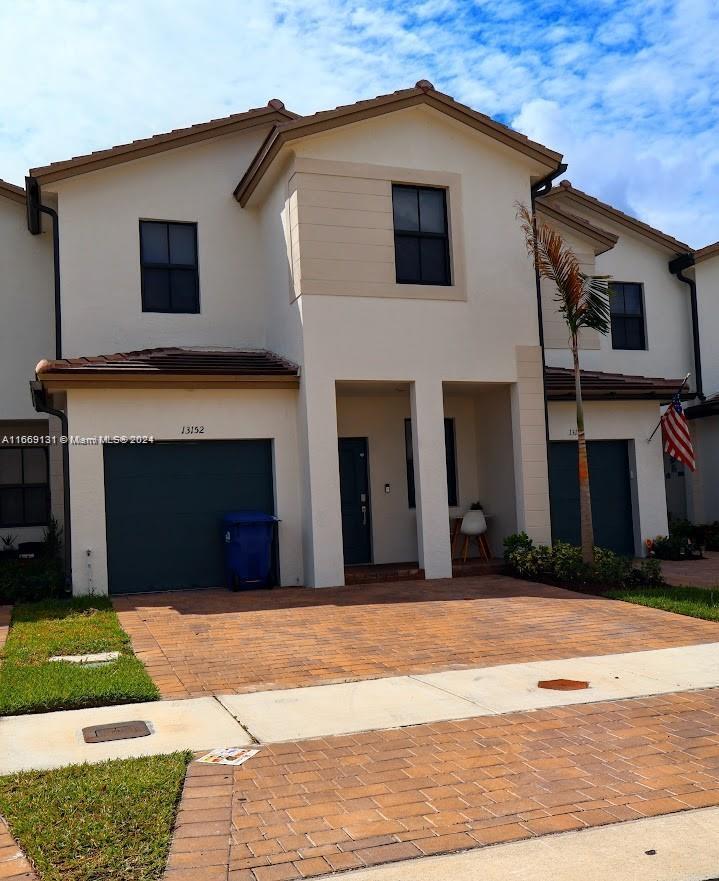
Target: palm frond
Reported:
[(582, 300)]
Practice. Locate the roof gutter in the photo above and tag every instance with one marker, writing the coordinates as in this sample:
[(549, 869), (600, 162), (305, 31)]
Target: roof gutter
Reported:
[(42, 405), (677, 267), (34, 224)]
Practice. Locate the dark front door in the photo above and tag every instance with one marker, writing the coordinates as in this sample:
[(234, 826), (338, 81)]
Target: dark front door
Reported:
[(164, 504), (610, 488), (354, 492)]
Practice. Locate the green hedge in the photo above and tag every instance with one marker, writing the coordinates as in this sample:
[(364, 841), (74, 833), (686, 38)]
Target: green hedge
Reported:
[(562, 564), (29, 580)]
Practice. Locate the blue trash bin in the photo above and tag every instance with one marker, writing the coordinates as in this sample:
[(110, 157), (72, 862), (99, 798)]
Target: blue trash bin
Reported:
[(248, 539)]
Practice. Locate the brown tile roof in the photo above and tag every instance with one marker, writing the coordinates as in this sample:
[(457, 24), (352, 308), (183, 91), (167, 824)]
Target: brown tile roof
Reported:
[(706, 252), (605, 239), (11, 191), (598, 386), (708, 407), (274, 112), (565, 191), (422, 93), (175, 361)]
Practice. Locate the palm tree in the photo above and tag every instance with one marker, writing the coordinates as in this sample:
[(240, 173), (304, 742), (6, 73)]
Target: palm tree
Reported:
[(583, 302)]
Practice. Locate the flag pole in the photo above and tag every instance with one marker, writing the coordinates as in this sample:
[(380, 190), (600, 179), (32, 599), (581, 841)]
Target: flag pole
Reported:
[(656, 427)]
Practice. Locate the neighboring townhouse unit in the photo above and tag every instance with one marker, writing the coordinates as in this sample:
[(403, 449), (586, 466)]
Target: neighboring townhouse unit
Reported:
[(30, 468), (333, 318), (639, 364), (703, 488)]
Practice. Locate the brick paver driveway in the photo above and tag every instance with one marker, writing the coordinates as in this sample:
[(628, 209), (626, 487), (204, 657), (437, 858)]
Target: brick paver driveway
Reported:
[(305, 809), (693, 573), (200, 642)]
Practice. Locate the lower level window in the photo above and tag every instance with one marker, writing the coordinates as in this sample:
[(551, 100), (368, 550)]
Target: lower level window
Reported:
[(451, 457), (24, 491)]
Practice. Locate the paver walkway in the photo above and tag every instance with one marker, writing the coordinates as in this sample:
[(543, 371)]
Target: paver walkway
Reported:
[(694, 573), (217, 642), (309, 808), (14, 865)]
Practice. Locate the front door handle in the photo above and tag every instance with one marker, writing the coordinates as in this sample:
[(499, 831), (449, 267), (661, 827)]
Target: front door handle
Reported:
[(364, 515)]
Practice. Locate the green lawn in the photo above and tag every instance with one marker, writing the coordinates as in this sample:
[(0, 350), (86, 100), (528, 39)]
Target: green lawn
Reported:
[(29, 683), (107, 822), (694, 601)]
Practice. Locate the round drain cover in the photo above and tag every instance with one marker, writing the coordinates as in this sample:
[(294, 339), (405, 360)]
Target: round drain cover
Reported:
[(563, 684)]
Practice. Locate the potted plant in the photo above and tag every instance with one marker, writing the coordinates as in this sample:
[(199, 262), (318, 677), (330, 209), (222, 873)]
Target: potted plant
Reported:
[(8, 550)]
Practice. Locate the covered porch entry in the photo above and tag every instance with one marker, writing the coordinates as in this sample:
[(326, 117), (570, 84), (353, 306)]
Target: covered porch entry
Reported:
[(467, 453)]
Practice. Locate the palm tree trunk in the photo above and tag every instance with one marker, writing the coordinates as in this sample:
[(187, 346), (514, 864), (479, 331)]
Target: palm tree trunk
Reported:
[(585, 500)]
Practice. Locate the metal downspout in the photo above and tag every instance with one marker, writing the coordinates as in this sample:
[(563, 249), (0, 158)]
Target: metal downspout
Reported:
[(540, 188), (677, 267)]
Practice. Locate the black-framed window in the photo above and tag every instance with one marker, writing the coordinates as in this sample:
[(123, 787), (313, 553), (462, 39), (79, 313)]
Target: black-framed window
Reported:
[(626, 305), (24, 491), (421, 235), (451, 457), (168, 262)]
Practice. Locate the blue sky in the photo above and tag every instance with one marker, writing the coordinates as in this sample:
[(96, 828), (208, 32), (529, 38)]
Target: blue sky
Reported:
[(626, 89)]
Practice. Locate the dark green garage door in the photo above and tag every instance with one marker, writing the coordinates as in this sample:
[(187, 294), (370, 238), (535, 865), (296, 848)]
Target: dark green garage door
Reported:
[(164, 504), (610, 488)]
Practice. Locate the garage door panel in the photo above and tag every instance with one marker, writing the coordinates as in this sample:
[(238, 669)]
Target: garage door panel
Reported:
[(610, 490), (164, 507)]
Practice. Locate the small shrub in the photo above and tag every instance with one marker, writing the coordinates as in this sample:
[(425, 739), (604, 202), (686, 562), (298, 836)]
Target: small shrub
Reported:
[(28, 580), (675, 547), (562, 564), (567, 564)]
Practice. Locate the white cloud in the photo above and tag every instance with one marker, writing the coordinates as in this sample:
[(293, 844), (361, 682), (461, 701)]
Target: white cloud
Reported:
[(625, 88)]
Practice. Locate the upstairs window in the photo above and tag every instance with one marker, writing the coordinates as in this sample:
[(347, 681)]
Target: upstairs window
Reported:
[(24, 493), (421, 238), (626, 306), (168, 260)]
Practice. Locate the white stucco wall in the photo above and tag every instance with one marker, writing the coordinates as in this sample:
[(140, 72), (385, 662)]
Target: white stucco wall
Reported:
[(667, 312), (100, 251), (707, 279), (227, 415), (633, 421), (26, 308)]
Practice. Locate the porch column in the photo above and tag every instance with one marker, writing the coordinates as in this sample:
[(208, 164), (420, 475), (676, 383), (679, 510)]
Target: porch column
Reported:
[(531, 479), (322, 517), (430, 478)]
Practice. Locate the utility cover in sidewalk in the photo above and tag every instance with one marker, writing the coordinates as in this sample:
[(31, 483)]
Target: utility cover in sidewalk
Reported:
[(563, 684), (116, 731)]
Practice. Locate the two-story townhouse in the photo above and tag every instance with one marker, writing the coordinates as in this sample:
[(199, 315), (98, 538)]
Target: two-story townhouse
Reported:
[(30, 467), (333, 318), (350, 342), (703, 487)]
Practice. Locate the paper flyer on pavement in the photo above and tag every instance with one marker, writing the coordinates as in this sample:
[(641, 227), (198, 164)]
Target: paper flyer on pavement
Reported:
[(231, 755)]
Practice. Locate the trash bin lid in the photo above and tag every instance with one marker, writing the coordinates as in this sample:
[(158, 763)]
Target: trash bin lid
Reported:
[(248, 517)]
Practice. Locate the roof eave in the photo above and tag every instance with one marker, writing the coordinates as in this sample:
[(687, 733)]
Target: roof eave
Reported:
[(12, 192), (302, 128), (603, 209), (55, 381), (706, 253), (603, 239), (127, 153)]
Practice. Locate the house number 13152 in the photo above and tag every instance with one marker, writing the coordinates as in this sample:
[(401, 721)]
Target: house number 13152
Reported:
[(193, 429)]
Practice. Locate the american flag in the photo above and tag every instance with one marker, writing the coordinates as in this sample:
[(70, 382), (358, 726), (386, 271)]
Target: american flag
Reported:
[(675, 431)]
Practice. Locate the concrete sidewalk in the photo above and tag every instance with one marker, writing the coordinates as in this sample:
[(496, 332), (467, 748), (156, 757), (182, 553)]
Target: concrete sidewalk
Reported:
[(317, 711), (55, 739), (675, 847)]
